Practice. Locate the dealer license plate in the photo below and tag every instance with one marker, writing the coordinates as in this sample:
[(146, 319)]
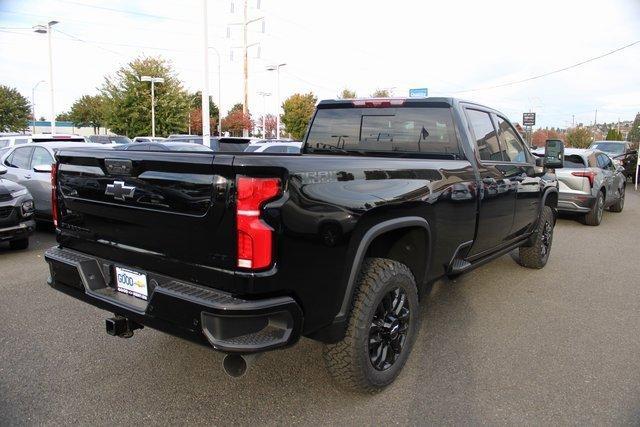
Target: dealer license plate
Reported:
[(131, 282)]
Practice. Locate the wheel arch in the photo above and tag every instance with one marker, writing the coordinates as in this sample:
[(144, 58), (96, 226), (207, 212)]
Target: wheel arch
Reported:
[(392, 234)]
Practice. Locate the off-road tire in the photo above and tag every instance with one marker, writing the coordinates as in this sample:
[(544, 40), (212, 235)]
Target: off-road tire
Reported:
[(19, 243), (349, 360), (619, 204), (537, 255), (594, 217)]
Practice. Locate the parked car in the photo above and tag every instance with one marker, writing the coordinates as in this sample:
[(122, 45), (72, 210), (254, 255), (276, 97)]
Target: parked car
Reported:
[(9, 140), (109, 139), (194, 139), (274, 146), (30, 166), (148, 139), (246, 253), (16, 213), (622, 154), (164, 146), (589, 183)]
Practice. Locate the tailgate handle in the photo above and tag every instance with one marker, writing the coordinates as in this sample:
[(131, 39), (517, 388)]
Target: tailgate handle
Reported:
[(118, 166)]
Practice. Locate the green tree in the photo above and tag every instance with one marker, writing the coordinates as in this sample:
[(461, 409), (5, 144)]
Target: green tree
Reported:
[(298, 109), (347, 94), (634, 133), (614, 135), (579, 137), (128, 100), (14, 110), (88, 111), (63, 117), (381, 93)]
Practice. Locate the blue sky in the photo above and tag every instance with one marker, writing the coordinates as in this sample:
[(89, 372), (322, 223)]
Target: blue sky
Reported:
[(449, 47)]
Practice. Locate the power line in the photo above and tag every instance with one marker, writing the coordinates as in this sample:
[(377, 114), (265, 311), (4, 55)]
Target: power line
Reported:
[(128, 12), (553, 71)]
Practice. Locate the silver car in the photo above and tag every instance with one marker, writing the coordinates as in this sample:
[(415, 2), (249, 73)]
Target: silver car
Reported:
[(589, 183), (30, 165)]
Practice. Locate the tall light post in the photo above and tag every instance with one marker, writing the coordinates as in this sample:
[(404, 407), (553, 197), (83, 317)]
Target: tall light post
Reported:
[(42, 29), (153, 81), (206, 118), (276, 68), (33, 105), (219, 91), (264, 112)]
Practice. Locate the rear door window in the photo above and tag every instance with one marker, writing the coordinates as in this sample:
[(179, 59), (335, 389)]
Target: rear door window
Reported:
[(485, 135), (40, 157), (4, 143), (428, 130), (21, 141), (574, 161)]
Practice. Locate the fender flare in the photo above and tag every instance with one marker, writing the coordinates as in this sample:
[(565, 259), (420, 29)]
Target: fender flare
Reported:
[(543, 200), (369, 236)]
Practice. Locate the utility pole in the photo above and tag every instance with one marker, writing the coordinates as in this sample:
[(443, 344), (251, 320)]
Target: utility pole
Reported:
[(245, 55), (219, 90), (206, 124), (595, 122)]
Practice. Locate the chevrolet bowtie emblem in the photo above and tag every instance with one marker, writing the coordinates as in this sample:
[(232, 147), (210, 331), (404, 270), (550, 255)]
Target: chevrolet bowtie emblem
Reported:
[(119, 191)]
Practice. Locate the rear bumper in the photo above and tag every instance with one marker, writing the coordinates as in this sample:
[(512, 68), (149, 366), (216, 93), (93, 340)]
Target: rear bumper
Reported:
[(197, 313), (18, 231), (570, 202)]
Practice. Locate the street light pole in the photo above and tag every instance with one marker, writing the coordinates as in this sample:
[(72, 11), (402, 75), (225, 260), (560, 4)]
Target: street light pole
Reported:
[(219, 91), (33, 105), (41, 29), (276, 68), (206, 124), (264, 112), (153, 81)]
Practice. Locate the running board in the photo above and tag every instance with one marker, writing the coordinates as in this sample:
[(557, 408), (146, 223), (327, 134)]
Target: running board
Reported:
[(459, 266)]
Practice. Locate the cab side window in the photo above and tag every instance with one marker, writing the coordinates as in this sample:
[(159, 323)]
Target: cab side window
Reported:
[(514, 149), (485, 135)]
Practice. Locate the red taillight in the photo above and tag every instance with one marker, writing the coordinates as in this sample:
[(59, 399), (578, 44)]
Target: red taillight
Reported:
[(255, 241), (586, 174), (379, 103), (54, 194)]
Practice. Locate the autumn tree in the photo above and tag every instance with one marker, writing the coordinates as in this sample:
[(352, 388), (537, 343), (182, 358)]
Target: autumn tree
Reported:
[(236, 122), (540, 136), (270, 125), (298, 109), (579, 137), (614, 135), (347, 94), (128, 100), (14, 110), (195, 122), (381, 93), (88, 111), (63, 117)]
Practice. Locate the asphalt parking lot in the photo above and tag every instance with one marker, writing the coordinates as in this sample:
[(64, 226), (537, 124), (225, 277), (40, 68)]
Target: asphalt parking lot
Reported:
[(502, 344)]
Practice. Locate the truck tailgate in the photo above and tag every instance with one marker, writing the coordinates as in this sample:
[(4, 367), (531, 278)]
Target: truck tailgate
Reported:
[(146, 205)]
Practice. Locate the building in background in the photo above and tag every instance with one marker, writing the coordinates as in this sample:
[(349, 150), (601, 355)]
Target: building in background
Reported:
[(65, 127)]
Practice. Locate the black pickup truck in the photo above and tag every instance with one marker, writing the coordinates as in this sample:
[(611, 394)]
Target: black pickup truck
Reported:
[(248, 252)]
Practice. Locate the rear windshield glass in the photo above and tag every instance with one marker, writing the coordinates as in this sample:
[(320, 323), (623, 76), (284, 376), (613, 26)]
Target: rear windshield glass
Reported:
[(574, 161), (420, 130), (610, 147)]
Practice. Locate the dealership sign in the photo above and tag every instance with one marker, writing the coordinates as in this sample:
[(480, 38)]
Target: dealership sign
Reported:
[(529, 119)]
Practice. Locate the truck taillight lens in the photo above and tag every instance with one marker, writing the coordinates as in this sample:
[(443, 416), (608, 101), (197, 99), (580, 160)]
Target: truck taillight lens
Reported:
[(255, 237), (586, 174), (54, 194)]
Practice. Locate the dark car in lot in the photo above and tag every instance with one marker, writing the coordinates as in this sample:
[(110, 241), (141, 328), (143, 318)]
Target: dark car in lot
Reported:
[(246, 252), (16, 213), (622, 153)]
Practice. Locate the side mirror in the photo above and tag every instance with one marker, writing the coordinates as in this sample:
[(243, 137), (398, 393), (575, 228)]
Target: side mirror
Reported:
[(554, 154), (42, 168), (3, 170)]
